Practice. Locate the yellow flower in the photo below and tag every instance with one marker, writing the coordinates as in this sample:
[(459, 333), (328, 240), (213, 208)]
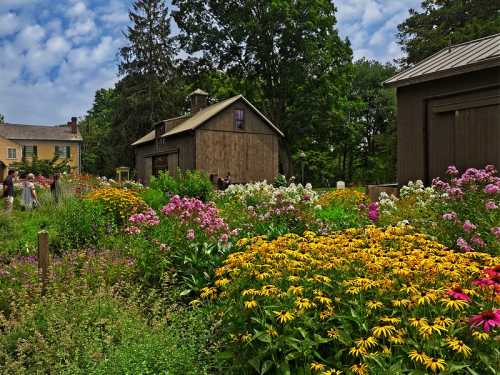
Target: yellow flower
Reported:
[(418, 356), (284, 316), (435, 364), (418, 322), (359, 369), (304, 303), (222, 282), (356, 351), (195, 302), (454, 304), (383, 331), (296, 290), (332, 333), (443, 321), (251, 304), (315, 366), (458, 346), (332, 371), (271, 331), (368, 343), (481, 336), (374, 305)]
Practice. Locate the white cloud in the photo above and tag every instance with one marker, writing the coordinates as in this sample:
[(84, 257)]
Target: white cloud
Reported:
[(30, 37), (9, 24), (372, 13), (77, 10)]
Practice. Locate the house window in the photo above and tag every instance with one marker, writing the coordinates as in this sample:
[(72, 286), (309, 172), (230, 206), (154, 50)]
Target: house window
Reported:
[(11, 153), (239, 118), (30, 151), (63, 151)]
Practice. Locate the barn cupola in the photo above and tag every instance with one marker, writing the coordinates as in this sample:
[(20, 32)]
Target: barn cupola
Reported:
[(199, 100)]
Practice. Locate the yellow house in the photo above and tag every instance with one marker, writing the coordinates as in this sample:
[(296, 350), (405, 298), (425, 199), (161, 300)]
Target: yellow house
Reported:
[(44, 142)]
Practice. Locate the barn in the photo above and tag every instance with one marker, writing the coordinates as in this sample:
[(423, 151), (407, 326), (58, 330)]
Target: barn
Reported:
[(448, 111), (231, 136)]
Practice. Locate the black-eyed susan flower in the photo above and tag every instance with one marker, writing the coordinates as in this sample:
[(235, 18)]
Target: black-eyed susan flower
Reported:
[(316, 366), (458, 346), (418, 356), (359, 369), (366, 343), (435, 364), (250, 304), (383, 330), (357, 351), (481, 336), (284, 316)]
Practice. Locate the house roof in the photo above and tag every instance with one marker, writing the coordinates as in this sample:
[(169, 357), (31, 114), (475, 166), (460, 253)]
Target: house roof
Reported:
[(199, 92), (458, 59), (207, 113), (39, 133), (201, 117)]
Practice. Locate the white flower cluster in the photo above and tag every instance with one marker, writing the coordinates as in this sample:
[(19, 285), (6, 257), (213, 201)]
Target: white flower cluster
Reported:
[(264, 192)]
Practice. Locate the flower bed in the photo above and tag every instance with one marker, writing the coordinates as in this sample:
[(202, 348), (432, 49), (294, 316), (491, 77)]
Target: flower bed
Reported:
[(381, 299), (120, 202), (343, 197)]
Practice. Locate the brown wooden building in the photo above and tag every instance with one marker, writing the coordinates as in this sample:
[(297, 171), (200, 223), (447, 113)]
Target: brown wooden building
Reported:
[(230, 136), (448, 111)]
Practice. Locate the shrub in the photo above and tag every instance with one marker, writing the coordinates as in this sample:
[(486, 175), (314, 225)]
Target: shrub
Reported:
[(120, 202), (343, 197), (389, 300), (82, 223), (154, 198), (194, 184)]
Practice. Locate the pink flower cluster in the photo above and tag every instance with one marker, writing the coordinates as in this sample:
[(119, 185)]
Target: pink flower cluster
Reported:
[(148, 218), (196, 214), (471, 178)]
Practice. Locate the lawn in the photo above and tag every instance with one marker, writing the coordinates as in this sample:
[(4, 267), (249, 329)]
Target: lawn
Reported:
[(178, 278)]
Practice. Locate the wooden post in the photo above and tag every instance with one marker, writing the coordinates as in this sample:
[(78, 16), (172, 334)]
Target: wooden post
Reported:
[(43, 258)]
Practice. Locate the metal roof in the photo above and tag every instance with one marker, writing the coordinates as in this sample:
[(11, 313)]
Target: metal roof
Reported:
[(458, 59), (39, 133), (147, 138)]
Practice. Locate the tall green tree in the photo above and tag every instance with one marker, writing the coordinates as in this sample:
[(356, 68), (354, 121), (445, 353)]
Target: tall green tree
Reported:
[(2, 119), (441, 22), (150, 89), (289, 50), (98, 157)]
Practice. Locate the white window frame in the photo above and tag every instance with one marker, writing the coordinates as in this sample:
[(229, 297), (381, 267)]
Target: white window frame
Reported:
[(25, 154), (9, 149)]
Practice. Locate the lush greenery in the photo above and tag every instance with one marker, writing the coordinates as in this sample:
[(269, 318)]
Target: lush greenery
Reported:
[(193, 184), (259, 278)]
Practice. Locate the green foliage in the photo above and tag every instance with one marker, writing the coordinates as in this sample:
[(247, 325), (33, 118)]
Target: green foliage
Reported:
[(441, 22), (154, 198), (81, 223), (193, 184), (339, 218), (40, 167)]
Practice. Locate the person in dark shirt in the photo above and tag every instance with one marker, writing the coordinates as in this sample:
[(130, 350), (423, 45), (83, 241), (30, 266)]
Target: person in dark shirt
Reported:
[(8, 191), (55, 188)]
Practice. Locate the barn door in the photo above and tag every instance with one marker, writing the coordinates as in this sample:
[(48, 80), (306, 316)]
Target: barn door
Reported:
[(463, 131), (173, 163)]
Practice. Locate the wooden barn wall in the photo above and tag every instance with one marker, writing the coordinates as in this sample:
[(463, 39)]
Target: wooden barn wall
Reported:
[(184, 143), (250, 154), (411, 117), (142, 165)]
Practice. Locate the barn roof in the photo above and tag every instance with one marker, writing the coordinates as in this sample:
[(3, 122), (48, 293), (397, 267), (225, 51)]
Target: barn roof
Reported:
[(39, 133), (202, 116), (458, 59)]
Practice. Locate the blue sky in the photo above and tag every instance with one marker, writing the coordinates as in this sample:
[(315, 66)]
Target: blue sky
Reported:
[(54, 54)]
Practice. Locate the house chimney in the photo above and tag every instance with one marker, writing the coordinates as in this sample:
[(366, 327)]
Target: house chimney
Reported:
[(73, 125), (199, 100)]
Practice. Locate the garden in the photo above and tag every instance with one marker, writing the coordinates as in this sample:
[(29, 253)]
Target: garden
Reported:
[(263, 278)]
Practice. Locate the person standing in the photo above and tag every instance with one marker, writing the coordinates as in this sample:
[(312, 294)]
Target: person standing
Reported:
[(29, 199), (8, 191), (55, 188)]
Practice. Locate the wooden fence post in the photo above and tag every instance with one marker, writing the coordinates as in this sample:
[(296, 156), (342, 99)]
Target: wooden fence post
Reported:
[(43, 258)]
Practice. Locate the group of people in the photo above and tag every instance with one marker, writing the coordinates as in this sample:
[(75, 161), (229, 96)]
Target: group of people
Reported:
[(29, 197)]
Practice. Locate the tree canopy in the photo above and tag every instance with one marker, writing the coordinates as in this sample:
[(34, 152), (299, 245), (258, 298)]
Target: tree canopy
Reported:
[(444, 22)]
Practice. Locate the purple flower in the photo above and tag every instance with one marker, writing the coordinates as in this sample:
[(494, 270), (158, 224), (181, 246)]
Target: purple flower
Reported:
[(463, 245), (452, 170), (468, 226), (452, 216), (190, 234), (373, 212), (490, 205), (495, 231), (491, 189), (477, 240), (487, 320), (224, 238)]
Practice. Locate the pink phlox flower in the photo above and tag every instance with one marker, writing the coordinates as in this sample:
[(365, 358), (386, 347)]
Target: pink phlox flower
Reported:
[(495, 231), (490, 205), (463, 245), (452, 170), (491, 189), (468, 226), (452, 216), (477, 240)]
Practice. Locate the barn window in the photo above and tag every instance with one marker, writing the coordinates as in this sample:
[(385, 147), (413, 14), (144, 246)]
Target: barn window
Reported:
[(239, 118), (11, 153)]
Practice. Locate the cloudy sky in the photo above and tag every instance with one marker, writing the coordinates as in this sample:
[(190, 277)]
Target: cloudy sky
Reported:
[(54, 54)]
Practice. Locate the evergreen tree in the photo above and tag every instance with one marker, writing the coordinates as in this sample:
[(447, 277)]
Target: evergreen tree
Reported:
[(2, 119), (442, 22), (150, 90)]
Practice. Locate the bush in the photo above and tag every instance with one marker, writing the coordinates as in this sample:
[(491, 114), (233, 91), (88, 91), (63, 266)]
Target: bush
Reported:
[(154, 198), (388, 300), (81, 223), (194, 184), (121, 203)]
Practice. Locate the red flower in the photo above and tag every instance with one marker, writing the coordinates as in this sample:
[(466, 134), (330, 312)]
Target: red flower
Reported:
[(487, 319)]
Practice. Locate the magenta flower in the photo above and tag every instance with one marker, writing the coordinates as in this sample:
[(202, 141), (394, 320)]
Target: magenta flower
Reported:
[(491, 189), (463, 245), (490, 205), (468, 226), (452, 216), (452, 170), (224, 238), (458, 293), (495, 231), (373, 211), (190, 234), (487, 319), (477, 240)]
